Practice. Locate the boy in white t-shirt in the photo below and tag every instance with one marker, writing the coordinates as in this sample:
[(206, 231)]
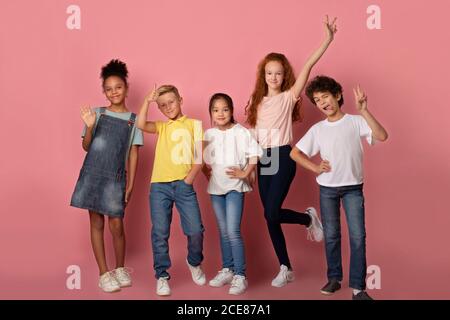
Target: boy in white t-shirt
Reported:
[(340, 176)]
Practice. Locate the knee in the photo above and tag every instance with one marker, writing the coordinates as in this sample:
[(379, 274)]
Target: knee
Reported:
[(97, 222), (234, 235), (271, 216), (116, 228), (332, 234), (358, 239)]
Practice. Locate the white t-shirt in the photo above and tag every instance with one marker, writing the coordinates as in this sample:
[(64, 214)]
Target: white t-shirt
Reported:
[(229, 148), (340, 143)]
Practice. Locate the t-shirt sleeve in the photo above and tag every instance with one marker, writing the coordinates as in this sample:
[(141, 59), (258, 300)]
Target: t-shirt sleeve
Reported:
[(364, 130), (252, 148), (207, 135), (97, 114), (138, 139), (290, 98), (198, 131), (159, 125), (308, 143)]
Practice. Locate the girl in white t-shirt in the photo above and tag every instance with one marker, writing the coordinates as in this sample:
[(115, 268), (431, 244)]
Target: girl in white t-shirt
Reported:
[(231, 154)]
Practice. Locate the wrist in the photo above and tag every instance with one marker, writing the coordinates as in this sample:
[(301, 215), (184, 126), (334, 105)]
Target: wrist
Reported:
[(317, 169)]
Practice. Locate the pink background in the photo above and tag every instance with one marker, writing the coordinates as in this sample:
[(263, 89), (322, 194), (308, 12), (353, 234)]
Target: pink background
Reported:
[(47, 72)]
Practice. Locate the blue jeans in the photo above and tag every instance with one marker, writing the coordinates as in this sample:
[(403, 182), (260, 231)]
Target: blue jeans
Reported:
[(228, 209), (353, 200), (162, 197)]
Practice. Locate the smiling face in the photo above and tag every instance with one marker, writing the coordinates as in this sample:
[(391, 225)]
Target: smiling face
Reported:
[(221, 113), (115, 90), (274, 72), (328, 104), (170, 105)]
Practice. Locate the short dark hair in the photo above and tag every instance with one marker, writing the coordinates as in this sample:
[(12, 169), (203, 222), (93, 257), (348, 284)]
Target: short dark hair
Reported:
[(324, 84), (228, 100), (115, 68)]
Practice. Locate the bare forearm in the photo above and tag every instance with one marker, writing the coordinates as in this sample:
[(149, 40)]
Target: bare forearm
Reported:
[(303, 160), (251, 166), (142, 117), (87, 139), (378, 132), (196, 168), (307, 67), (132, 166)]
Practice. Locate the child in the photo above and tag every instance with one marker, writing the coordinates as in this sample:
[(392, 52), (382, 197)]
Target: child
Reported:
[(274, 105), (340, 176), (177, 162), (106, 180), (232, 154)]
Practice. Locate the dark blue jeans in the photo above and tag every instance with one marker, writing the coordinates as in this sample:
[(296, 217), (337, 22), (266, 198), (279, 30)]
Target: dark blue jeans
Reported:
[(353, 201), (162, 198)]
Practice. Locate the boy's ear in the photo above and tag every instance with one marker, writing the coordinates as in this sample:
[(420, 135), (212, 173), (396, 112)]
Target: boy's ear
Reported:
[(339, 96), (181, 100)]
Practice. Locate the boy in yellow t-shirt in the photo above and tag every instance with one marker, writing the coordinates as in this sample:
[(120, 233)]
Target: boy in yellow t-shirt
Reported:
[(178, 160)]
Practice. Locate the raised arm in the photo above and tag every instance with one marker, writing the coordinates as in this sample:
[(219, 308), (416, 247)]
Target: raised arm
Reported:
[(142, 123), (330, 29), (88, 116), (378, 132)]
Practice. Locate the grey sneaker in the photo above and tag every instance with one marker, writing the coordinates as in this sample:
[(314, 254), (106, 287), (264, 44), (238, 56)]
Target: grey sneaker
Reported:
[(331, 287), (198, 276), (361, 296), (315, 229)]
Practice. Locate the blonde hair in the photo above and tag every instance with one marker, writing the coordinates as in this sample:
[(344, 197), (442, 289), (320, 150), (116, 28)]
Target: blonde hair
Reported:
[(168, 88)]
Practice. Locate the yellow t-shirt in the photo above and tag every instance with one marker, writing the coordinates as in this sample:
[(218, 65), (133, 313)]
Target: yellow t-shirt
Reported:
[(175, 147)]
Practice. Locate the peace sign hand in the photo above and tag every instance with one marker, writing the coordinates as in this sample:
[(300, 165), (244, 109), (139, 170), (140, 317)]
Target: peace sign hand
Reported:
[(330, 28), (360, 99)]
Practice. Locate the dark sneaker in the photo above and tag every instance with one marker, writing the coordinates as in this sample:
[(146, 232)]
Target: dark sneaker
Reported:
[(331, 287), (361, 296)]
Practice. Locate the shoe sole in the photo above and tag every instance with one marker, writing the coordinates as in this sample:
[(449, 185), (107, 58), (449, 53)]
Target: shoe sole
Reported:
[(114, 291), (236, 293), (280, 286), (328, 293), (218, 286), (163, 295), (314, 213), (126, 285)]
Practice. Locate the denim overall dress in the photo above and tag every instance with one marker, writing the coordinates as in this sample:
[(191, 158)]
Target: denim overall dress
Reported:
[(102, 180)]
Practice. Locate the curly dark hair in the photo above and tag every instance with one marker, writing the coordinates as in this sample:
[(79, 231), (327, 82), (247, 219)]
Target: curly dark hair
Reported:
[(115, 68), (324, 84)]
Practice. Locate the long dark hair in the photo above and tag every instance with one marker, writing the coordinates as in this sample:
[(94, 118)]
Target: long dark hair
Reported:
[(228, 100)]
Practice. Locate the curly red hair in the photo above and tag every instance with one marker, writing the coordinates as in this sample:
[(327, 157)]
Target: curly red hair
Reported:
[(260, 91)]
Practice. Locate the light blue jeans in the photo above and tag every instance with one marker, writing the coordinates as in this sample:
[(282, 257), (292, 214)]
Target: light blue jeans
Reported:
[(162, 198), (228, 209)]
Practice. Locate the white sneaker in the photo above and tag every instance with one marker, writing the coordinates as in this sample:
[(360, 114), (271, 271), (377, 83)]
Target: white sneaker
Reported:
[(198, 276), (123, 277), (225, 276), (162, 287), (284, 276), (108, 282), (315, 230), (238, 285)]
